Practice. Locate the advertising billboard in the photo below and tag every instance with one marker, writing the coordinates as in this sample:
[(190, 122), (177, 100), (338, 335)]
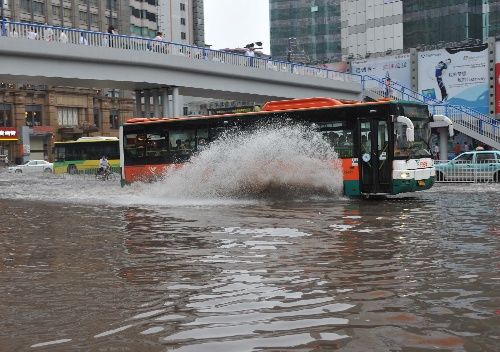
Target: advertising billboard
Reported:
[(397, 68), (497, 78), (458, 76), (497, 88)]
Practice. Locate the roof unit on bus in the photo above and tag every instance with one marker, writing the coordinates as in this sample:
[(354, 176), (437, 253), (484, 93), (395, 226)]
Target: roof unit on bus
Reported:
[(307, 103)]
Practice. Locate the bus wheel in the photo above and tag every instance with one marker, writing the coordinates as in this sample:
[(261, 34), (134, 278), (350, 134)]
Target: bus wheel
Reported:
[(439, 176), (72, 170)]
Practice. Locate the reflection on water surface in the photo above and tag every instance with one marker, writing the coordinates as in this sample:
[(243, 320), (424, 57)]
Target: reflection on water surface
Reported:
[(93, 272)]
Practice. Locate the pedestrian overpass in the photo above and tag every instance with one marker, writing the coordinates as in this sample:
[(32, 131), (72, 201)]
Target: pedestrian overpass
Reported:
[(163, 71), (153, 68)]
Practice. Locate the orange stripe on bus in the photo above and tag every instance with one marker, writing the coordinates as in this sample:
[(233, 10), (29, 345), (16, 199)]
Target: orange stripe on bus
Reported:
[(350, 169)]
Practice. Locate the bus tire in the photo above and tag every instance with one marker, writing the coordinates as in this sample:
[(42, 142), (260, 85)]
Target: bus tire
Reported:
[(72, 170), (439, 176)]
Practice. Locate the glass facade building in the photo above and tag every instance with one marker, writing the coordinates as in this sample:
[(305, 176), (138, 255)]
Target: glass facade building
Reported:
[(427, 22), (314, 26)]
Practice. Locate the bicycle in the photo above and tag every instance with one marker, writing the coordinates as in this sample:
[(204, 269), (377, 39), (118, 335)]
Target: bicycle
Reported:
[(105, 175)]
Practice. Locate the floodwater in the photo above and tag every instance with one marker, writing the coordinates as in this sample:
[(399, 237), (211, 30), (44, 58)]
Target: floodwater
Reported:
[(87, 265)]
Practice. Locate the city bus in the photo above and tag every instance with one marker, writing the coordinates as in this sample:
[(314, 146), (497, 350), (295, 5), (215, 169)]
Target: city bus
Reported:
[(82, 155), (383, 145)]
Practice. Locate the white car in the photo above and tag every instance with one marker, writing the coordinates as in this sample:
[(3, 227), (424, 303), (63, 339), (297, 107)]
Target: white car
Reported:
[(33, 167)]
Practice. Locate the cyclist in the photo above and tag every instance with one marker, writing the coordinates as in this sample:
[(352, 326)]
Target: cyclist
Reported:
[(103, 166)]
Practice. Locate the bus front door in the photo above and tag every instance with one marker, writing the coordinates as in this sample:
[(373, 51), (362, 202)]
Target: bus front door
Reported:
[(375, 167)]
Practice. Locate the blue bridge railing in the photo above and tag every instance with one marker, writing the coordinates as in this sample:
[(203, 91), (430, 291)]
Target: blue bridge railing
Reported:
[(461, 115)]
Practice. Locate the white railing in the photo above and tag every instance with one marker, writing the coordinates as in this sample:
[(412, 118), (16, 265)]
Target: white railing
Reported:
[(467, 171), (460, 115), (52, 34)]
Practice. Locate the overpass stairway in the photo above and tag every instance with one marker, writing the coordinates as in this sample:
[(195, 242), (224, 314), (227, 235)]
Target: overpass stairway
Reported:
[(465, 120)]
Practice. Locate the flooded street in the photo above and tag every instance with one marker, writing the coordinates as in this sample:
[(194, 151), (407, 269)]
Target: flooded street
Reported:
[(91, 266)]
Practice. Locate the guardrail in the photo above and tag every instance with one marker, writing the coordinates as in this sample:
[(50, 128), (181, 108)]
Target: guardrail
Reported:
[(461, 115), (91, 174), (52, 34), (467, 171)]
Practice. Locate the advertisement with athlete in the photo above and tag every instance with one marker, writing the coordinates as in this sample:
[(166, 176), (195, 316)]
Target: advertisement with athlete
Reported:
[(457, 76)]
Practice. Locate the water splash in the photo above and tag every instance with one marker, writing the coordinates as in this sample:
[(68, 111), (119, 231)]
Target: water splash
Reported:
[(273, 162), (284, 161)]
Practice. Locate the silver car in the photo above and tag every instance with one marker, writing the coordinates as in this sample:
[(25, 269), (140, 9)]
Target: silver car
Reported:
[(475, 166), (33, 167)]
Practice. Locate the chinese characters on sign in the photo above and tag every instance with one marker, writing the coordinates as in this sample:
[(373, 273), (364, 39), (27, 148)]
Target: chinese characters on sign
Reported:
[(8, 134)]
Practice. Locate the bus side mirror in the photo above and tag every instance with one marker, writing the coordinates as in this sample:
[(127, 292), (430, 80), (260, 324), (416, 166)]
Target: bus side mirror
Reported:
[(410, 129), (410, 134)]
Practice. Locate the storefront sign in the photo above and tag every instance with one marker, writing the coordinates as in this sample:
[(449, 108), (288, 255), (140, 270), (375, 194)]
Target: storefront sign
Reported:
[(43, 129), (8, 134)]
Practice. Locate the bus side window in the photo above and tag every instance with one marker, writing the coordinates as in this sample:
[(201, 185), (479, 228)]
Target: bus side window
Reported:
[(182, 141), (201, 139), (129, 145)]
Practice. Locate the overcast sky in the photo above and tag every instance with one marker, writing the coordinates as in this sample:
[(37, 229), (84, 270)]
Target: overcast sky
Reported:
[(235, 23)]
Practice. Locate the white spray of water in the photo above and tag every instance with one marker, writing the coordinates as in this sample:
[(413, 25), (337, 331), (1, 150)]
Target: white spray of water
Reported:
[(272, 162), (284, 161)]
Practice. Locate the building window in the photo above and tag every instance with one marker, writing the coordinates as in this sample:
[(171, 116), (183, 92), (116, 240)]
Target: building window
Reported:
[(38, 8), (97, 117), (33, 115), (6, 115), (183, 21), (111, 4), (25, 5), (67, 12), (83, 17), (67, 116), (93, 19), (135, 12), (56, 11), (114, 119), (183, 7), (185, 110), (183, 35)]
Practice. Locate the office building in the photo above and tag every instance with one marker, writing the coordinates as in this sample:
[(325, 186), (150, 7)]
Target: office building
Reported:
[(371, 26), (42, 114), (431, 22), (92, 15), (386, 26), (182, 21), (311, 27)]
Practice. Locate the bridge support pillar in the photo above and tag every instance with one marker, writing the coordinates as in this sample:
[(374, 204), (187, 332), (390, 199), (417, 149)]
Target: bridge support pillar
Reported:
[(443, 143), (165, 102), (147, 103), (176, 101), (138, 103), (156, 102)]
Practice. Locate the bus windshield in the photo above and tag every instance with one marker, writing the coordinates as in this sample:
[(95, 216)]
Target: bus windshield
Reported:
[(420, 147)]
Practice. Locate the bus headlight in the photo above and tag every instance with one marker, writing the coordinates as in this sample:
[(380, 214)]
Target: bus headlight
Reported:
[(405, 175)]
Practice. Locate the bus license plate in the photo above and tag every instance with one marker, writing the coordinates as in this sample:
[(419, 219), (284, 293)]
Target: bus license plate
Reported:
[(421, 183)]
